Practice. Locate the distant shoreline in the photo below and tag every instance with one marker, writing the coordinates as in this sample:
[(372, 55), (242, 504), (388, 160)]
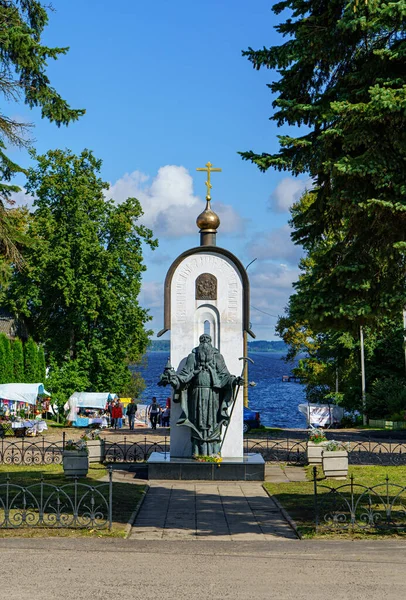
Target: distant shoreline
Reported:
[(273, 347), (249, 350)]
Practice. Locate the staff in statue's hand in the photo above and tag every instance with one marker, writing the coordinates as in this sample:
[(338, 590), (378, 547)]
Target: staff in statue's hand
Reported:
[(168, 377)]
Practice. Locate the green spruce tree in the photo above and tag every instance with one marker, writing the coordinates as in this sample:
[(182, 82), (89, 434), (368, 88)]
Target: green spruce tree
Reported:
[(41, 365), (6, 360), (18, 361), (341, 80), (24, 60), (31, 361)]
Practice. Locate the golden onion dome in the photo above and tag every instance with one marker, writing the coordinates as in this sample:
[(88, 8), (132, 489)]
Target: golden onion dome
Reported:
[(208, 220)]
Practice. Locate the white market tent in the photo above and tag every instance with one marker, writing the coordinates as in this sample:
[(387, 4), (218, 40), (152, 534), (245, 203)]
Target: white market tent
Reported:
[(22, 392), (90, 399), (322, 415)]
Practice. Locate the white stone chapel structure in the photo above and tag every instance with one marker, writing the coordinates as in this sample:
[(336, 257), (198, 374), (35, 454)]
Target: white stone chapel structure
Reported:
[(207, 291)]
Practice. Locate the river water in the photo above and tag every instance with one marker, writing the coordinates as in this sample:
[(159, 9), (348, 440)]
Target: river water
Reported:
[(277, 402)]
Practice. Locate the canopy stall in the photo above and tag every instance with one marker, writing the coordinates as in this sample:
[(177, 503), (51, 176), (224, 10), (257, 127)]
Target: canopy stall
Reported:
[(91, 399), (26, 393), (17, 401), (322, 415), (80, 401)]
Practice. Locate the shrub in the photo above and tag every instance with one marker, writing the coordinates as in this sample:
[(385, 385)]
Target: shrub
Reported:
[(18, 361), (388, 396)]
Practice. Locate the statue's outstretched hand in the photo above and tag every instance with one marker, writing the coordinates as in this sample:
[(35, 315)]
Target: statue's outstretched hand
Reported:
[(239, 381), (168, 377), (165, 378)]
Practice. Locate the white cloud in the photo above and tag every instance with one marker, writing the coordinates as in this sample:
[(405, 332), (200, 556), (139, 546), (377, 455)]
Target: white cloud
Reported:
[(169, 204), (271, 286), (274, 245), (287, 192), (152, 294), (23, 199)]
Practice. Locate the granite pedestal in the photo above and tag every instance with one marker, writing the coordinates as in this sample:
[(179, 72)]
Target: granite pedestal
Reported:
[(249, 468)]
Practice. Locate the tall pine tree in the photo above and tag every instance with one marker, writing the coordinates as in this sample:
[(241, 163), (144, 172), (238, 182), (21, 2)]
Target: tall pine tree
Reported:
[(31, 361), (41, 365), (24, 60), (18, 361), (342, 80), (6, 360)]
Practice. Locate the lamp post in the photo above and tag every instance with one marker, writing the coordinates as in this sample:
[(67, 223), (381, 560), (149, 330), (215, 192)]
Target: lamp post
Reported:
[(364, 391), (245, 337)]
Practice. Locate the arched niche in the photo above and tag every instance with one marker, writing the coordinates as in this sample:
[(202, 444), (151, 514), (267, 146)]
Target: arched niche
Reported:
[(207, 317)]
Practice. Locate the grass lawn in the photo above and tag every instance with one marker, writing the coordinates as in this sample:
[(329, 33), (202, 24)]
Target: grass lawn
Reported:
[(264, 431), (298, 498), (125, 499)]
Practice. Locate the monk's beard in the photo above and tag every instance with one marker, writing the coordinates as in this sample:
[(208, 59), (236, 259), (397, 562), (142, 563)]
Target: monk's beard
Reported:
[(205, 353)]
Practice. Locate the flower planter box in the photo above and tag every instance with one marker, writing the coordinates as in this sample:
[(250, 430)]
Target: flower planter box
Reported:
[(314, 453), (75, 463), (335, 464), (96, 450)]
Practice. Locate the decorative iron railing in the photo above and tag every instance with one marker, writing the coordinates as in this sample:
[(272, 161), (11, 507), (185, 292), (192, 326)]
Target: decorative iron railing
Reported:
[(373, 452), (33, 451), (278, 450), (30, 451), (368, 452), (127, 451), (289, 450), (73, 505), (353, 506)]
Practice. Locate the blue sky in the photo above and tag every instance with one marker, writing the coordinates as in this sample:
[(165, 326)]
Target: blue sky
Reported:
[(166, 90)]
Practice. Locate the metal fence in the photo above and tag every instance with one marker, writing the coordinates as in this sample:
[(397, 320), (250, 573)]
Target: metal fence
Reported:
[(73, 505), (29, 451), (289, 450), (356, 507), (292, 450), (127, 451)]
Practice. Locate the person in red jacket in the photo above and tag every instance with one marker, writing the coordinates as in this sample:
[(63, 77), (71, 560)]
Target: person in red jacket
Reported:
[(117, 414)]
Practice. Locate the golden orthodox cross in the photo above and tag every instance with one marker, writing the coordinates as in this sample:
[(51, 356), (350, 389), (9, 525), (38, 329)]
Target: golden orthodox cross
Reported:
[(209, 169)]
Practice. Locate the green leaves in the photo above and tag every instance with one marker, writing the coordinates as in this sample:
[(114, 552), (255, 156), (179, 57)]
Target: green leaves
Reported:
[(23, 77), (31, 370), (342, 74), (6, 360), (79, 290)]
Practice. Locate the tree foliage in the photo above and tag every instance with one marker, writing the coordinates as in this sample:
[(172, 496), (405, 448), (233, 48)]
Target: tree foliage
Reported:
[(31, 362), (6, 360), (78, 292), (41, 364), (23, 63), (65, 379), (342, 80), (18, 362), (331, 359)]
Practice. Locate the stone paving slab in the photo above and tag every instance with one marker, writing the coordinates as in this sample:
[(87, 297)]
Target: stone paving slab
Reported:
[(229, 511)]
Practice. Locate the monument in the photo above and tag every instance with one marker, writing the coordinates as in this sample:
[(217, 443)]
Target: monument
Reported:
[(206, 309)]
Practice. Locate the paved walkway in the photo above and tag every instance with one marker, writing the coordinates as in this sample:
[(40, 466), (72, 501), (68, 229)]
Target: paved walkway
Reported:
[(206, 511), (277, 473)]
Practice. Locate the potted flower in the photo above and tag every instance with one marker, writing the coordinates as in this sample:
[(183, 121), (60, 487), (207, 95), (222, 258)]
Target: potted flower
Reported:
[(75, 458), (95, 445), (335, 459), (315, 445)]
